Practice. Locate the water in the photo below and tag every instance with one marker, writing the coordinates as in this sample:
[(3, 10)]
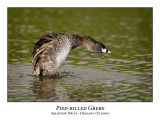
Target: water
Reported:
[(125, 75)]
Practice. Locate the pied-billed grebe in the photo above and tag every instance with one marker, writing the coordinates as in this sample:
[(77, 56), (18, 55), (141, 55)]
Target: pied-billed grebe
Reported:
[(52, 49)]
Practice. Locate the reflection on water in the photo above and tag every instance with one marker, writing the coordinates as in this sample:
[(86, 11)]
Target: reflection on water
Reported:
[(47, 89), (125, 75)]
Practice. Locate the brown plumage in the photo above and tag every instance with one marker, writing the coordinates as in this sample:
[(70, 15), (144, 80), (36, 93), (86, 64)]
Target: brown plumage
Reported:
[(52, 49)]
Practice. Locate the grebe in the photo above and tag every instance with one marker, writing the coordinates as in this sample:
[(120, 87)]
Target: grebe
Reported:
[(53, 48)]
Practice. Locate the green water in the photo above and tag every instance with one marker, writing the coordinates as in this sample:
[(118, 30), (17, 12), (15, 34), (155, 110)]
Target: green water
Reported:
[(125, 75)]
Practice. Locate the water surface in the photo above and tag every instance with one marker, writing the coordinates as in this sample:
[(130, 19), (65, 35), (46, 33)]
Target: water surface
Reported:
[(125, 75)]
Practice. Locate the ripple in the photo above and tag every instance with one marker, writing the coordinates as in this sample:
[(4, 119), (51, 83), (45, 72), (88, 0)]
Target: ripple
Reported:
[(124, 36), (140, 62), (119, 60), (138, 20), (132, 39), (143, 55), (22, 51), (134, 100), (82, 62), (14, 60), (123, 23)]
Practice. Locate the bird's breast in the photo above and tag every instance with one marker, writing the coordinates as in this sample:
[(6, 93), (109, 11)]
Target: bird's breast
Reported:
[(62, 53)]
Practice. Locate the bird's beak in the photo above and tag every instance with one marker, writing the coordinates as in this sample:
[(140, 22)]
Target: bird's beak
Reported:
[(105, 51)]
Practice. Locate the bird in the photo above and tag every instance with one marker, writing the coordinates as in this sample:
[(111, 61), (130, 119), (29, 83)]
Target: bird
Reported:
[(51, 50)]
